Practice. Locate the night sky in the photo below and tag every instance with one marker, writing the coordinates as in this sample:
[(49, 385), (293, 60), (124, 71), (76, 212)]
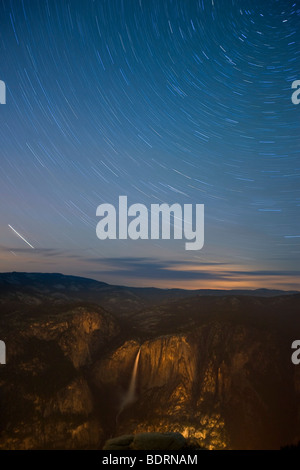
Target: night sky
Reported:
[(163, 101)]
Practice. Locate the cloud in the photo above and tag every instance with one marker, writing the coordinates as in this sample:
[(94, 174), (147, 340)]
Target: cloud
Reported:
[(149, 268), (36, 251), (146, 261), (266, 273), (168, 270), (46, 252), (152, 271)]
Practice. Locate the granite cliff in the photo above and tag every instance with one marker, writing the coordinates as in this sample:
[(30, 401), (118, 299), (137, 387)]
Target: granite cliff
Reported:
[(217, 369)]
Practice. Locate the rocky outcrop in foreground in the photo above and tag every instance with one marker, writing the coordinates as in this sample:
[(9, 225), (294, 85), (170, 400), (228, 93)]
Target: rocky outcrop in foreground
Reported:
[(148, 441)]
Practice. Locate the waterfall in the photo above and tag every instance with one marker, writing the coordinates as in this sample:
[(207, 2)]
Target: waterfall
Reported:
[(131, 390), (130, 396)]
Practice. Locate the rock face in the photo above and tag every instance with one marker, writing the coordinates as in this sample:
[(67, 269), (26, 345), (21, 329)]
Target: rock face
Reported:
[(46, 401), (217, 370), (209, 384)]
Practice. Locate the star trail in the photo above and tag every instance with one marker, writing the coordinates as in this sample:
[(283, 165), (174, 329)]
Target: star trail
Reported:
[(163, 101)]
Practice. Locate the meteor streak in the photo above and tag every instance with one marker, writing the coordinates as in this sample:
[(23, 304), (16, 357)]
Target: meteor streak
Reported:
[(21, 236)]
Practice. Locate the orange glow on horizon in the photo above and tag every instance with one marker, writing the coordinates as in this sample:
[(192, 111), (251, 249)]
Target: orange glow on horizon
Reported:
[(224, 276)]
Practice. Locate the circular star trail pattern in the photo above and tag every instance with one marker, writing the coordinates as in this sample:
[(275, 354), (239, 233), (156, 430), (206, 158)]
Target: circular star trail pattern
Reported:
[(162, 101)]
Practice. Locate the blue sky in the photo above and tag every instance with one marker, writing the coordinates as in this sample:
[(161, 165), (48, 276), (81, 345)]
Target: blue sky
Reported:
[(175, 102)]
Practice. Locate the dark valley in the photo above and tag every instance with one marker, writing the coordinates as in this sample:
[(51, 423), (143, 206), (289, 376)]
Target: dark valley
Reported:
[(87, 361)]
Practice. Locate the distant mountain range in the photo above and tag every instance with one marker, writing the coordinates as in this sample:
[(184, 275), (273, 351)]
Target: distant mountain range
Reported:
[(60, 287)]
